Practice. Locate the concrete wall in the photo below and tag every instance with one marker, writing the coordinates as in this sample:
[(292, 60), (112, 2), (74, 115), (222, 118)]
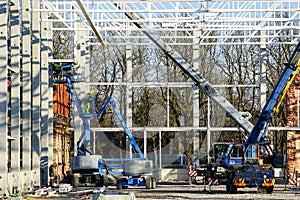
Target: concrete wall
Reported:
[(170, 174)]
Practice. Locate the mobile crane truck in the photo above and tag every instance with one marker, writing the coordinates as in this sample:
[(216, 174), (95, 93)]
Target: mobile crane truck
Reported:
[(254, 167), (239, 164)]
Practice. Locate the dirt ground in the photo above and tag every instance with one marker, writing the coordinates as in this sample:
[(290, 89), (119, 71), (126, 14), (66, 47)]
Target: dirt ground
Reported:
[(184, 191)]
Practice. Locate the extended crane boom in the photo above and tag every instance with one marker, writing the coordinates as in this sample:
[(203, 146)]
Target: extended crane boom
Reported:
[(291, 68), (84, 139), (240, 118), (241, 165)]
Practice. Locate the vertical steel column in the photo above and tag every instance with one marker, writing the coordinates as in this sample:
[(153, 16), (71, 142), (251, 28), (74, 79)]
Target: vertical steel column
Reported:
[(263, 70), (263, 73), (208, 135), (80, 49), (145, 143), (50, 96), (80, 55), (36, 93), (3, 97), (160, 150), (128, 100), (46, 104), (168, 103), (14, 179), (79, 88), (196, 63), (26, 91)]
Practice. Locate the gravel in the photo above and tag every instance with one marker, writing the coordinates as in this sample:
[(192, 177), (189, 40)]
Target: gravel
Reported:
[(186, 191)]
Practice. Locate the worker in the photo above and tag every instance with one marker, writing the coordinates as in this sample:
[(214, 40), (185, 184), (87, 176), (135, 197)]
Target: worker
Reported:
[(56, 66), (88, 101)]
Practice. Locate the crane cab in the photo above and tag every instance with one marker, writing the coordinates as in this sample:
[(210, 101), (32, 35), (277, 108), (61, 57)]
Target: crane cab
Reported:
[(235, 154)]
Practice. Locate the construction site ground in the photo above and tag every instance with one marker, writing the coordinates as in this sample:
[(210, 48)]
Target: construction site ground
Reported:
[(180, 190)]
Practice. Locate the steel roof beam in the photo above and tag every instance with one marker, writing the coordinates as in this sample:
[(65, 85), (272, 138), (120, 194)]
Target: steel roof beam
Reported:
[(89, 20)]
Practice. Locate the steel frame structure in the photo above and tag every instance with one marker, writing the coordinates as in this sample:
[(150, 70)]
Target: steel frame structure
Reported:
[(185, 23), (180, 23), (216, 22)]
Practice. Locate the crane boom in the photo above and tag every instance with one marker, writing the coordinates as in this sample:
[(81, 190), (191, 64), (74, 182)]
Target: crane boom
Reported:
[(271, 107), (239, 118)]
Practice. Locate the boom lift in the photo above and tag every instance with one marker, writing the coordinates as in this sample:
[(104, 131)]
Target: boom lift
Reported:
[(238, 163), (90, 168), (130, 171), (85, 164)]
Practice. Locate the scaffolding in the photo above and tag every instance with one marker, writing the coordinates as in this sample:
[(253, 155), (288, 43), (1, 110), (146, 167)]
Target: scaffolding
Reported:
[(26, 49)]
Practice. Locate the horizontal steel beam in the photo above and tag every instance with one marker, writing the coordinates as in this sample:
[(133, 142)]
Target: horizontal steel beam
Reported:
[(181, 129)]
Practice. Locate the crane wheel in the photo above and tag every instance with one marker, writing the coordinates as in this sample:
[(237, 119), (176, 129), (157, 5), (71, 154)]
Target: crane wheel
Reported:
[(269, 190), (75, 182), (148, 182), (230, 188)]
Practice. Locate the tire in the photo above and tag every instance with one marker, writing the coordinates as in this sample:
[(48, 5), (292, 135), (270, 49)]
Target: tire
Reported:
[(148, 183), (102, 180), (124, 180), (75, 182), (119, 184), (269, 190), (230, 188), (153, 186)]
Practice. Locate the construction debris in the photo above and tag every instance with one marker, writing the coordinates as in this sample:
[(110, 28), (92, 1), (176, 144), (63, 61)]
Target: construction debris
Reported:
[(65, 188), (67, 191), (44, 191)]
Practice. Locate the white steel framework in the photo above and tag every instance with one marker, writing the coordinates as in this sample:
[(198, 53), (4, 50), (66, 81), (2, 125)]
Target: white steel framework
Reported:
[(29, 26), (216, 22), (183, 23)]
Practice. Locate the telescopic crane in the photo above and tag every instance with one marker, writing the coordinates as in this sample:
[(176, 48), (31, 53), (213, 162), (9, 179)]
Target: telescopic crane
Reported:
[(239, 164)]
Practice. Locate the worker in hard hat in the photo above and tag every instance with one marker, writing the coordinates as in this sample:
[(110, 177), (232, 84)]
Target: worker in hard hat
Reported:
[(88, 101)]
